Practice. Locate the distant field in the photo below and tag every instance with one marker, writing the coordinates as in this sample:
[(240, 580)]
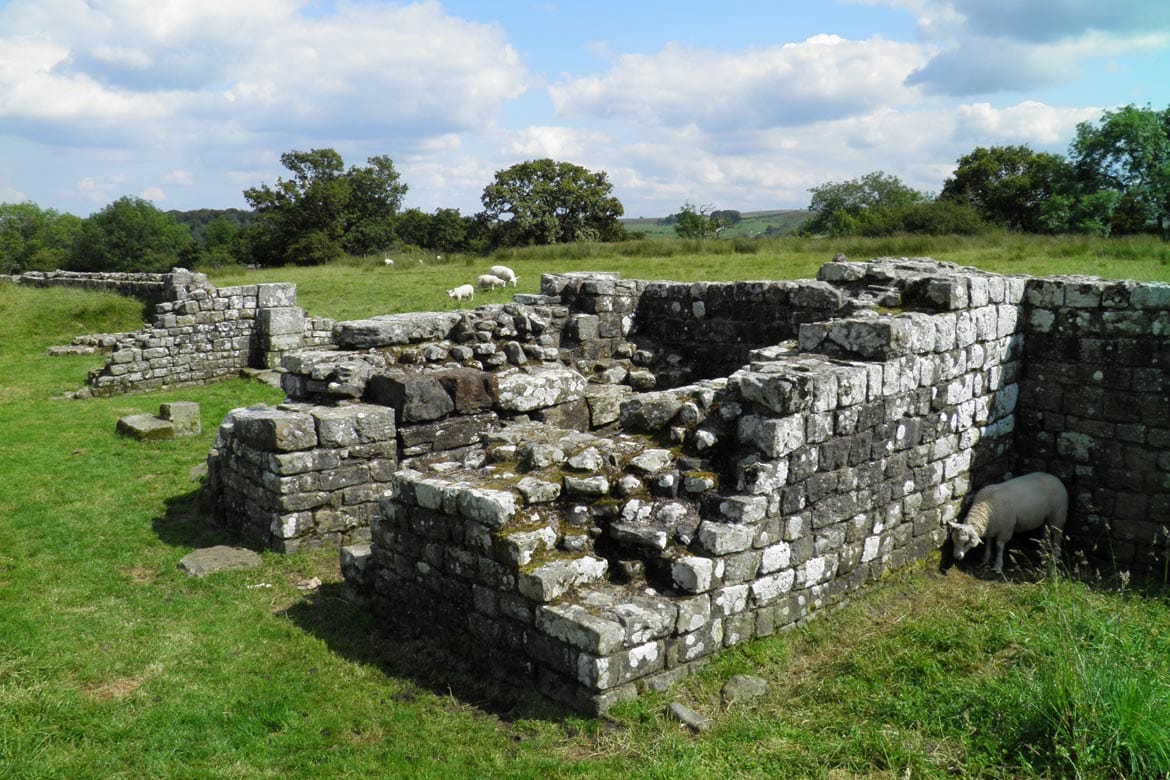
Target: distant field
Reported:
[(754, 223)]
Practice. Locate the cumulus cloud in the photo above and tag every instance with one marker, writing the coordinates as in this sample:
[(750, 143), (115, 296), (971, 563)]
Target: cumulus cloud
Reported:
[(1029, 122), (360, 71), (823, 77)]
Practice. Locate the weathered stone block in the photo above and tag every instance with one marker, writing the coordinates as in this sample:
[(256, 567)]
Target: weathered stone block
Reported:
[(470, 389), (553, 579), (275, 430), (525, 390), (414, 397), (145, 427)]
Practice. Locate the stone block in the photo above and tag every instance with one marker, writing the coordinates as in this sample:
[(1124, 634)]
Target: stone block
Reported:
[(414, 397), (346, 426), (145, 427), (275, 430), (394, 329), (525, 390), (470, 389), (276, 294), (184, 415), (580, 628), (552, 580)]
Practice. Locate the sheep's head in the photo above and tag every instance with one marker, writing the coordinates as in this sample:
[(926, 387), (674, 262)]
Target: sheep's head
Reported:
[(965, 539)]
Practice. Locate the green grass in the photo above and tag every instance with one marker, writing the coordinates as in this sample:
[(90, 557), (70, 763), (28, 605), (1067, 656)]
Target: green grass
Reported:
[(113, 664)]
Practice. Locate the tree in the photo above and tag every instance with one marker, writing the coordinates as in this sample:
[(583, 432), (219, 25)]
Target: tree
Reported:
[(1128, 152), (701, 222), (550, 202), (323, 209), (130, 234), (842, 208), (1008, 184), (35, 239)]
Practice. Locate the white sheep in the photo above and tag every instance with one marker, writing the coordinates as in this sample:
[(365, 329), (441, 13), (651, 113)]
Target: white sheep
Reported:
[(505, 273), (388, 262), (461, 292), (487, 280), (1021, 504)]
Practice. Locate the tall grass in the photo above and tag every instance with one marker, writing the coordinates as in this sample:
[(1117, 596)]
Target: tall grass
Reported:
[(1095, 697)]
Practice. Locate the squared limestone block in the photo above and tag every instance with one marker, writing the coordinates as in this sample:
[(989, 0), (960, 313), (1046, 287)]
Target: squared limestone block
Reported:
[(183, 415), (145, 427)]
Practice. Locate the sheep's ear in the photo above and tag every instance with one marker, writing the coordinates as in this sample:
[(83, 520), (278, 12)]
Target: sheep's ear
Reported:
[(953, 524)]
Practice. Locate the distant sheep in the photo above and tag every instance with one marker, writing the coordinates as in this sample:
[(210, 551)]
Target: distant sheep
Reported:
[(505, 273), (487, 280), (999, 511), (388, 262), (461, 292)]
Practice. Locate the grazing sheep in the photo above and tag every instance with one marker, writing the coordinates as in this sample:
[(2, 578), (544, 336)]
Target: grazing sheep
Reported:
[(461, 292), (505, 273), (387, 262), (487, 280), (1021, 504)]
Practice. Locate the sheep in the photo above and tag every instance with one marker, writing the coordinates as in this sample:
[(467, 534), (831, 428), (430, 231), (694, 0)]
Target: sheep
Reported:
[(487, 280), (461, 292), (1021, 504), (388, 262), (505, 273)]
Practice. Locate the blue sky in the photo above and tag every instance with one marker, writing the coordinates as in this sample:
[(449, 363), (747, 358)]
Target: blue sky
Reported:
[(740, 105)]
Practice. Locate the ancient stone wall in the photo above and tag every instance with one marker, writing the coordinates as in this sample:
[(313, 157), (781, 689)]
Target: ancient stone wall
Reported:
[(1095, 411), (300, 476), (599, 564), (200, 333), (150, 288)]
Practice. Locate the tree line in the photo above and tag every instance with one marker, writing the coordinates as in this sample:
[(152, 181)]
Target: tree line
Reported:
[(316, 213), (1115, 180)]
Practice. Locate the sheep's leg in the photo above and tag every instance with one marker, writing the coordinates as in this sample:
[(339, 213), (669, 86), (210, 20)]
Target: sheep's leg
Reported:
[(999, 545), (986, 552)]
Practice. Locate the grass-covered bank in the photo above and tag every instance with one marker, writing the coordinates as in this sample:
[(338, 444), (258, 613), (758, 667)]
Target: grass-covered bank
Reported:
[(114, 664)]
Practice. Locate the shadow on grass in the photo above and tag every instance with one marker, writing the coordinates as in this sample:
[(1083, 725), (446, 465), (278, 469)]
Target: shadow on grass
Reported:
[(359, 636), (183, 526)]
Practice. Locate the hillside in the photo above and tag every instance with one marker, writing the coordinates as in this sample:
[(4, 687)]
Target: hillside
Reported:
[(779, 222)]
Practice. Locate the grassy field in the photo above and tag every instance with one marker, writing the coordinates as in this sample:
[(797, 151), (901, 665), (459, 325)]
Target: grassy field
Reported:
[(363, 287), (113, 664)]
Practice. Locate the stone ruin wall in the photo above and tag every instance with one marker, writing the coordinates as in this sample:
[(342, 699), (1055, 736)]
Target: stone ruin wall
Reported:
[(1094, 410), (200, 333)]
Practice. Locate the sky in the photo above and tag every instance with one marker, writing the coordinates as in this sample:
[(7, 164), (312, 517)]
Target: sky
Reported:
[(731, 105)]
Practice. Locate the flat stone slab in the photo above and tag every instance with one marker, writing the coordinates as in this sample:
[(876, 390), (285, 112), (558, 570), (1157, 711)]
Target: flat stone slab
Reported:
[(146, 427), (210, 560)]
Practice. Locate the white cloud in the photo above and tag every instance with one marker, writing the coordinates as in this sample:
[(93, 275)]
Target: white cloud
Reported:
[(155, 195), (364, 71), (824, 77), (1028, 122), (181, 177)]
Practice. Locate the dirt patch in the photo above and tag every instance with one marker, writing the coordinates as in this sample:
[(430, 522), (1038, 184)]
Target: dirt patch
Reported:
[(113, 690)]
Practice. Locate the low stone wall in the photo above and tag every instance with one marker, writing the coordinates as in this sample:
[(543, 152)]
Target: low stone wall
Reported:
[(151, 289), (200, 333), (298, 476)]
